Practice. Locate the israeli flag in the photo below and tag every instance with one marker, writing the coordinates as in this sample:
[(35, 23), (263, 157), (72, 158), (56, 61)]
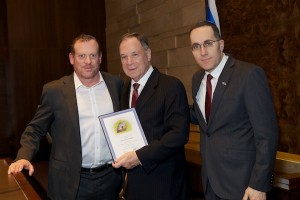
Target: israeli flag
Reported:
[(212, 13)]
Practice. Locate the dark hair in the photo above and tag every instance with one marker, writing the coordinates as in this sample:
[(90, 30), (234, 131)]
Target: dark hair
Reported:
[(83, 38), (142, 38), (210, 24)]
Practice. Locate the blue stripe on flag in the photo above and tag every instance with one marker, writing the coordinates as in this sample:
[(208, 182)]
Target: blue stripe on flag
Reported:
[(212, 13)]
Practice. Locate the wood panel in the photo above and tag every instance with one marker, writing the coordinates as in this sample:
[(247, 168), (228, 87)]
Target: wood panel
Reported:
[(4, 98), (39, 36), (15, 186), (268, 33)]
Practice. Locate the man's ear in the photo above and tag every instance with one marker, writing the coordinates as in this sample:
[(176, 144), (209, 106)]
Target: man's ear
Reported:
[(148, 52), (222, 45), (71, 58), (100, 58)]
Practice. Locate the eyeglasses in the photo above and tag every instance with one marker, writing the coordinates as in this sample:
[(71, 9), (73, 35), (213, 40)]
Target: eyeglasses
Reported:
[(206, 44)]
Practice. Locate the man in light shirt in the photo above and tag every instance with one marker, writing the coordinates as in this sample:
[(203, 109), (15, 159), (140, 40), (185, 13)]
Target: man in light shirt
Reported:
[(80, 161)]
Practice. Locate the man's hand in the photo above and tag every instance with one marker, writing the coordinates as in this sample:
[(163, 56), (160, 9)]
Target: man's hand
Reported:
[(19, 165), (251, 194), (128, 160)]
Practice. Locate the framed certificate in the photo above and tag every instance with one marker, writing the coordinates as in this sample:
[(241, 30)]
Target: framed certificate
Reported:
[(123, 132)]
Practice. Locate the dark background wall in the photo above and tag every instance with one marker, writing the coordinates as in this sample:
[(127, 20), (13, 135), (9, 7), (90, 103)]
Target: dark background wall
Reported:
[(268, 33), (34, 44), (4, 134)]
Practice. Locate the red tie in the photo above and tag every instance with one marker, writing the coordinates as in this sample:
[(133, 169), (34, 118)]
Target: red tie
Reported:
[(135, 94), (208, 97)]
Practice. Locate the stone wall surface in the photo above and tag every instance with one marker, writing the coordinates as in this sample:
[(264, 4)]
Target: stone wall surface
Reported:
[(263, 32), (166, 23)]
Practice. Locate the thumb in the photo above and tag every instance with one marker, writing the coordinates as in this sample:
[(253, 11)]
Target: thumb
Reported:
[(245, 196)]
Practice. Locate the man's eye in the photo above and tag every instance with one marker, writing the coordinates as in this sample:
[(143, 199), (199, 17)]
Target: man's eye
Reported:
[(123, 57), (196, 46), (208, 43), (81, 56), (134, 55), (93, 55)]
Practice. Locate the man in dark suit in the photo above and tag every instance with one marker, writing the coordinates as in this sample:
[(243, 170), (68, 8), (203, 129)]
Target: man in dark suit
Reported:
[(80, 161), (156, 171), (239, 135)]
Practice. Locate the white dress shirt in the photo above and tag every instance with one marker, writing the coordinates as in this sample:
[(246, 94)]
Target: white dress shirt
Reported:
[(200, 97), (92, 102), (142, 83)]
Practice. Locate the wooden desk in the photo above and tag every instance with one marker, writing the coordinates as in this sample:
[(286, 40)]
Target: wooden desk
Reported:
[(192, 148), (192, 154), (16, 186)]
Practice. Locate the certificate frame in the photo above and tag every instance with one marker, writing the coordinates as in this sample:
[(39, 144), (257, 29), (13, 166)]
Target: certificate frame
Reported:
[(123, 132)]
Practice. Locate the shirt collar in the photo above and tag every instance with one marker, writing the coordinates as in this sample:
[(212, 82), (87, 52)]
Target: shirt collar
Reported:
[(144, 79), (217, 71), (78, 83)]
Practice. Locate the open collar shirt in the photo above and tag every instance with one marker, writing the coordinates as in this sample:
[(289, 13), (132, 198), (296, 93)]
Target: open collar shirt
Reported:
[(92, 102)]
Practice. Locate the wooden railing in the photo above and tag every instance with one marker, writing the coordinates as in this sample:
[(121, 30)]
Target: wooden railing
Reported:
[(15, 186)]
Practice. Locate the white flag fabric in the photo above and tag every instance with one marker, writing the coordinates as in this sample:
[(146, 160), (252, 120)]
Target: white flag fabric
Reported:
[(212, 13)]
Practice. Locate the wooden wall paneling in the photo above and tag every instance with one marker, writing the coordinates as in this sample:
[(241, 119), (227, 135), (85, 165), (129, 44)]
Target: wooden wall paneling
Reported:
[(95, 11), (31, 24), (88, 18), (40, 33), (4, 59)]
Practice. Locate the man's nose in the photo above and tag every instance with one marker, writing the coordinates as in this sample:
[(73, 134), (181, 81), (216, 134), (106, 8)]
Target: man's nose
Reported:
[(88, 60), (129, 60), (203, 50)]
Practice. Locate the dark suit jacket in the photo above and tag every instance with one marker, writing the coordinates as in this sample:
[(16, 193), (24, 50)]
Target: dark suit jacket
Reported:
[(164, 115), (238, 146), (58, 114)]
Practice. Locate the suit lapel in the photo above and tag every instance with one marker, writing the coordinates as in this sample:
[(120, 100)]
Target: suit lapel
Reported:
[(197, 83), (223, 82), (148, 90), (68, 90), (125, 95), (146, 93), (195, 87), (112, 89)]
